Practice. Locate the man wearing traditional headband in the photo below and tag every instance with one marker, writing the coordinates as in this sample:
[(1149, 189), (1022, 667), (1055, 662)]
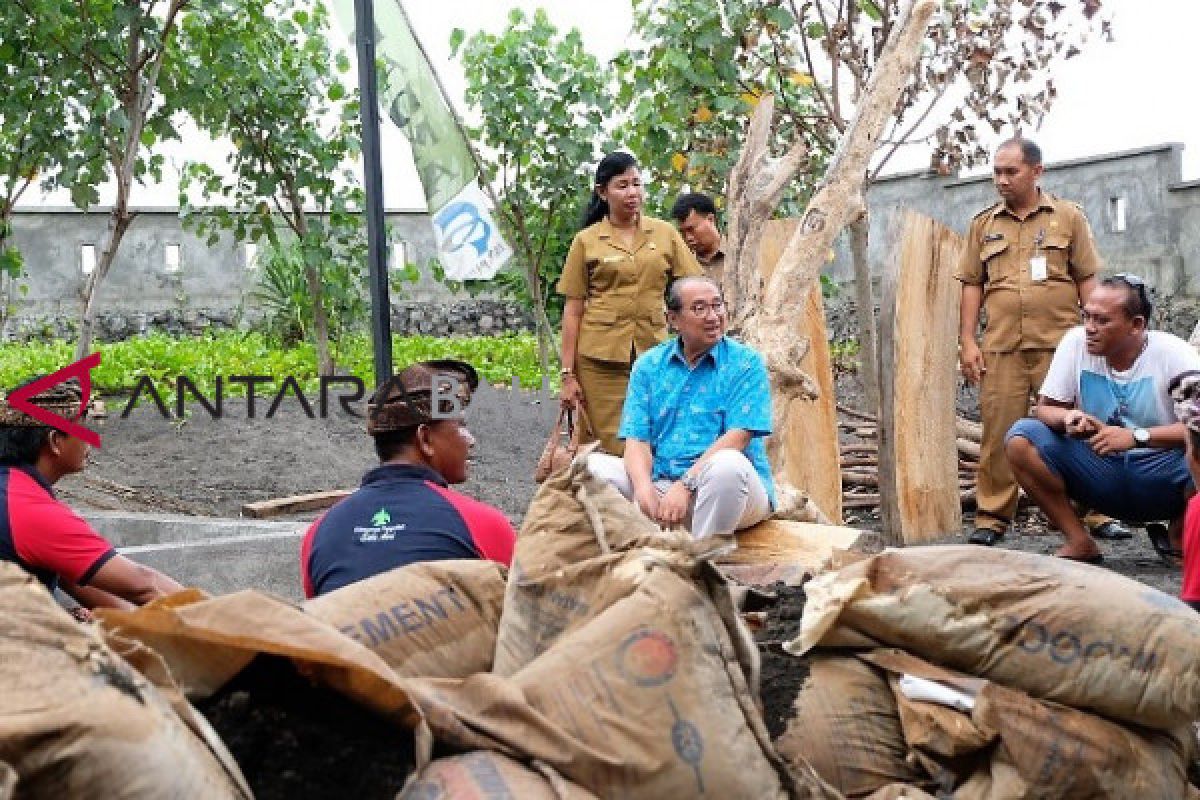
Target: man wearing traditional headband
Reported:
[(1106, 434), (40, 533), (405, 512)]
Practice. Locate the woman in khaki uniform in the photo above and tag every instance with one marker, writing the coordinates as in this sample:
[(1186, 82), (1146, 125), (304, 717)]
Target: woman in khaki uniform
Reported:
[(614, 279)]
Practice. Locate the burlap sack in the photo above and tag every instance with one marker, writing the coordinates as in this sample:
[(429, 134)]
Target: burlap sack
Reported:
[(1078, 635), (898, 791), (846, 727), (489, 776), (1014, 746), (77, 721), (435, 619), (559, 578), (648, 699)]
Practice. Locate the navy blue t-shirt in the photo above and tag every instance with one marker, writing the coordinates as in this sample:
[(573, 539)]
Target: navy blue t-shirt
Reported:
[(402, 514)]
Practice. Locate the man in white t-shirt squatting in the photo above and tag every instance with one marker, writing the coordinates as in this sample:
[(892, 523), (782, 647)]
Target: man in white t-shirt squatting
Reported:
[(1104, 432)]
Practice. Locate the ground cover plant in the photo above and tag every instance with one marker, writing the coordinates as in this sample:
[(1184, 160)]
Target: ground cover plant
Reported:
[(202, 359)]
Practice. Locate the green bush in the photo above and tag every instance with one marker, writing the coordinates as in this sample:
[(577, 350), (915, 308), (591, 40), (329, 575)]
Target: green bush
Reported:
[(162, 358)]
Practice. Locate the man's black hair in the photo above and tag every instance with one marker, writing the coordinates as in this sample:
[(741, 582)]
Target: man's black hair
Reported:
[(1137, 294), (390, 444), (1031, 154), (22, 446), (692, 201)]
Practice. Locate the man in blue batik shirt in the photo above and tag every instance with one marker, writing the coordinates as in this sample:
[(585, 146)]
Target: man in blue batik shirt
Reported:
[(695, 416)]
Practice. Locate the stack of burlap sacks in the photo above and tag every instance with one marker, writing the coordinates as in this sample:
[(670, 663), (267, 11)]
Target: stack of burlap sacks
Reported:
[(1066, 681), (611, 662)]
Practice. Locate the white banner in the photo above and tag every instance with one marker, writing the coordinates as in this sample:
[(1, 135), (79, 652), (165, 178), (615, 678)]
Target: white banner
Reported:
[(469, 243)]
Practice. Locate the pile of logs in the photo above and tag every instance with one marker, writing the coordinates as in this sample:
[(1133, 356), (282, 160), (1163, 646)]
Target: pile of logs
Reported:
[(859, 456)]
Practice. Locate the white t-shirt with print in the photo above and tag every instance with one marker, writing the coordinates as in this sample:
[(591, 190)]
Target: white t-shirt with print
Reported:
[(1133, 398)]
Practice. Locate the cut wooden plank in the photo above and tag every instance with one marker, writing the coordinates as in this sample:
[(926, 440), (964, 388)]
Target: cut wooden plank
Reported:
[(294, 504), (782, 550), (918, 449), (809, 446)]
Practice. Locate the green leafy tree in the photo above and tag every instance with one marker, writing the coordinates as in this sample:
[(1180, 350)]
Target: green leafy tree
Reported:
[(119, 49), (544, 102), (266, 79), (690, 90), (33, 141)]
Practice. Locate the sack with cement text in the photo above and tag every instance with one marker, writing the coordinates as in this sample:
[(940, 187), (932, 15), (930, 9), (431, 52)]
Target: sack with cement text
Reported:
[(846, 726), (77, 721), (1071, 633), (575, 531), (489, 776), (989, 742), (647, 699), (434, 619)]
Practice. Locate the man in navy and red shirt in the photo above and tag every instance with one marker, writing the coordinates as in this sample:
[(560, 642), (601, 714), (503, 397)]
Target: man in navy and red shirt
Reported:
[(405, 512), (41, 534)]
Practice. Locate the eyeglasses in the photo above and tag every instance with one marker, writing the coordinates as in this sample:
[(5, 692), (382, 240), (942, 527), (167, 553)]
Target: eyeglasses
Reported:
[(702, 309), (1137, 284)]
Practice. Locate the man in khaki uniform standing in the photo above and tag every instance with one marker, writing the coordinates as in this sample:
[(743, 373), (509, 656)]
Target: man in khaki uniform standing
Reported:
[(695, 216), (1029, 262)]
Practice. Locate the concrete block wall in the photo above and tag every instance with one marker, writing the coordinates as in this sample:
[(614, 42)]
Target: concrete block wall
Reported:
[(1160, 240)]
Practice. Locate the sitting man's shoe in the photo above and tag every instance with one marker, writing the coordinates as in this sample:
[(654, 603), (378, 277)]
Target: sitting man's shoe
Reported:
[(985, 536), (1160, 540), (1112, 531)]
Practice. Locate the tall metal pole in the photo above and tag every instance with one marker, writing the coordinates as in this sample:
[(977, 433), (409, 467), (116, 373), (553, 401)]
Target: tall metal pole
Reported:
[(381, 306)]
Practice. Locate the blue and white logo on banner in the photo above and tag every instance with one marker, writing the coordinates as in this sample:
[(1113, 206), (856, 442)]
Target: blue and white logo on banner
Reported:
[(469, 244)]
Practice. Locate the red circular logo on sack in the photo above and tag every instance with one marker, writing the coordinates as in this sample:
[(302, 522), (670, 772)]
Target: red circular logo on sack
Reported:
[(648, 658)]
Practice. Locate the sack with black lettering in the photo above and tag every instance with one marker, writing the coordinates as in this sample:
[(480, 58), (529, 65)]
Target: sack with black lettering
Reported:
[(1071, 633), (435, 619), (565, 566), (482, 775)]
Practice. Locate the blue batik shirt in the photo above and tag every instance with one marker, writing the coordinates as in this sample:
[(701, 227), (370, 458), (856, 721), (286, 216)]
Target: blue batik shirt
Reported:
[(681, 410)]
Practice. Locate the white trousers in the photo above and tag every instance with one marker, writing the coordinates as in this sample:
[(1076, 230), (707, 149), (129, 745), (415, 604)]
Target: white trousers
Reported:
[(730, 496)]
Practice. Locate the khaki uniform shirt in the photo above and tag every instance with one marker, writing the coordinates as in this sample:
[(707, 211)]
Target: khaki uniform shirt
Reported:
[(714, 265), (624, 310), (1024, 314)]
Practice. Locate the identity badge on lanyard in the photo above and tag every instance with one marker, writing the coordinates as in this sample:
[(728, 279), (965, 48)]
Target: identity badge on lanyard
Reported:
[(1037, 264)]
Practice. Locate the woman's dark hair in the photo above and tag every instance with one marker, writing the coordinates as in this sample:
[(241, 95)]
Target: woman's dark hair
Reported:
[(610, 167)]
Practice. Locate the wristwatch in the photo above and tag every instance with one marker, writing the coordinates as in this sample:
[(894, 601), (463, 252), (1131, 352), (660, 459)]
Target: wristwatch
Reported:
[(689, 481), (1141, 436)]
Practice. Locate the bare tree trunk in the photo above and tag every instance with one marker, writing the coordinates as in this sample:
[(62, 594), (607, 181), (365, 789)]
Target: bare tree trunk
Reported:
[(864, 301), (767, 314), (541, 320)]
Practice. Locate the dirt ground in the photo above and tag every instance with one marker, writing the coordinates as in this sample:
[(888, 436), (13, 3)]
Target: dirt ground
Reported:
[(211, 466)]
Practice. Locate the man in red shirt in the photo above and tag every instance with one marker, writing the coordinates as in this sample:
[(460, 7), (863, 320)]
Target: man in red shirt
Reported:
[(41, 534), (405, 512)]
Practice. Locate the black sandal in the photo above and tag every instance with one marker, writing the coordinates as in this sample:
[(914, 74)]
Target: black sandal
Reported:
[(1161, 542)]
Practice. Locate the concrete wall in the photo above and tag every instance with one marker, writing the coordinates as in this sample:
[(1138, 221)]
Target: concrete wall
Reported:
[(212, 287), (1161, 240)]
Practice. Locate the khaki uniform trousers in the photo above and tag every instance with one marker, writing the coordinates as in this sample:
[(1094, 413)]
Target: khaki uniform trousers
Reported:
[(1011, 381), (604, 385)]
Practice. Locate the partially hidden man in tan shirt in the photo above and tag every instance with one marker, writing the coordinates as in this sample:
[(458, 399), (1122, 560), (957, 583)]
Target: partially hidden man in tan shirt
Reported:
[(623, 288), (1029, 262)]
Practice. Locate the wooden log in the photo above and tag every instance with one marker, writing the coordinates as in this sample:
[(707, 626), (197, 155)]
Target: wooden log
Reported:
[(860, 462), (859, 479), (809, 448), (786, 548), (294, 504), (967, 429), (865, 447), (968, 448), (860, 415), (918, 450)]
